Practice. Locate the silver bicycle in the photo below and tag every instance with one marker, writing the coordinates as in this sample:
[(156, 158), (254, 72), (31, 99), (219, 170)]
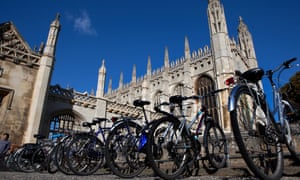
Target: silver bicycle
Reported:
[(260, 131)]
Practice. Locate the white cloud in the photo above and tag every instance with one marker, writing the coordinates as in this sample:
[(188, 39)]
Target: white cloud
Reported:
[(83, 24)]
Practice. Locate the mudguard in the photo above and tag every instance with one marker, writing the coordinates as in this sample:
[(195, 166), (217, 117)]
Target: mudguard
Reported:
[(232, 97), (116, 124)]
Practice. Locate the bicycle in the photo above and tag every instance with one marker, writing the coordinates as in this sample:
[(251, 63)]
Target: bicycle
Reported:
[(125, 145), (60, 155), (85, 153), (40, 159), (174, 149), (258, 133), (24, 155)]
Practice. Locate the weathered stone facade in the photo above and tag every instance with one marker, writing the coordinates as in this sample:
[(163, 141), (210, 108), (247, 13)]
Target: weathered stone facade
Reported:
[(197, 72), (29, 105), (19, 66)]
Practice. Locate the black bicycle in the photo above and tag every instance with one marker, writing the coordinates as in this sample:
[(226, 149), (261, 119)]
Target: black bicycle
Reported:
[(85, 152), (126, 144), (174, 149)]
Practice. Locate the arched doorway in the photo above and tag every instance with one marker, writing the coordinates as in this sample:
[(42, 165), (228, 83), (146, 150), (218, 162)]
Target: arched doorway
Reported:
[(204, 85)]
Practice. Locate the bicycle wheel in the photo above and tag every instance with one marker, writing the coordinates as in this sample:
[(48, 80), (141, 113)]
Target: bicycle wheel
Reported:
[(51, 165), (24, 160), (215, 144), (85, 155), (122, 154), (257, 140), (168, 148), (292, 133), (60, 156), (38, 160), (11, 162)]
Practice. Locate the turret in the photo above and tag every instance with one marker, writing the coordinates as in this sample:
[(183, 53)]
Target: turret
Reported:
[(133, 77), (166, 58), (101, 80), (187, 51), (221, 50), (121, 81), (42, 81), (109, 86), (149, 67), (246, 43)]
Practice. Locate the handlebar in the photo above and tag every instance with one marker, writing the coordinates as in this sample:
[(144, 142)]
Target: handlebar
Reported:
[(284, 65), (288, 62), (178, 98)]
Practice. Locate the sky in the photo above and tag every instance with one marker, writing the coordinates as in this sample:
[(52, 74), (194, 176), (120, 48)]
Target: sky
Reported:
[(125, 32)]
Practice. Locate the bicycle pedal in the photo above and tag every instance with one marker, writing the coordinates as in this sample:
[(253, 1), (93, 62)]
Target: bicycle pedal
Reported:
[(199, 157)]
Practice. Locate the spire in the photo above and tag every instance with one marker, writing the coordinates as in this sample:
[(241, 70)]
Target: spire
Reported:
[(42, 83), (133, 74), (166, 59), (246, 44), (49, 49), (216, 17), (110, 85), (149, 66), (245, 40), (121, 81), (101, 80), (102, 68), (187, 53)]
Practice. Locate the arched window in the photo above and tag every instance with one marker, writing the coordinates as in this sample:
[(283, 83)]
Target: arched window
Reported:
[(178, 90), (158, 98), (204, 85), (61, 124)]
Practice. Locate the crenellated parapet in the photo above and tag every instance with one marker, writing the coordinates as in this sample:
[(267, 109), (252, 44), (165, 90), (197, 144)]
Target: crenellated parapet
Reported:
[(128, 110), (169, 74), (206, 51), (89, 101), (73, 97)]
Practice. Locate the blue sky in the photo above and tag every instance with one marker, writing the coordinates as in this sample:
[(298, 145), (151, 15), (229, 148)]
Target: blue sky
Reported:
[(126, 32)]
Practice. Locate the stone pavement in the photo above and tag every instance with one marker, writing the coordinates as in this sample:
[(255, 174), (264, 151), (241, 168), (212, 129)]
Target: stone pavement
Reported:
[(236, 171)]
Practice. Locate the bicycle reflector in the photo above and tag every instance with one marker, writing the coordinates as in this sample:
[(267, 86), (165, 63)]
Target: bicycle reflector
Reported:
[(114, 119), (229, 81)]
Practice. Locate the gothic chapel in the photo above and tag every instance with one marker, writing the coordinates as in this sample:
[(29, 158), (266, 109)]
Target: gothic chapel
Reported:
[(30, 105)]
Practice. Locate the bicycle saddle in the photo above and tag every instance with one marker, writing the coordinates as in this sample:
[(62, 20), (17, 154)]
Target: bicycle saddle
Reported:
[(98, 120), (140, 103), (88, 124), (39, 136), (253, 75)]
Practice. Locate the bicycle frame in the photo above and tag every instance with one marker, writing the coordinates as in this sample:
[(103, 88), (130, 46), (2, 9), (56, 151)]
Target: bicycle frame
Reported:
[(257, 92)]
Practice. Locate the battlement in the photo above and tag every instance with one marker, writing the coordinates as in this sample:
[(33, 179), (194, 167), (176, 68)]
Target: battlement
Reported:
[(73, 97)]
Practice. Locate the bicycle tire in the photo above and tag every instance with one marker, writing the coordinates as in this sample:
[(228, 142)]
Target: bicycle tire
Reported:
[(11, 162), (60, 156), (292, 133), (38, 160), (24, 160), (51, 165), (258, 144), (215, 144), (85, 154), (122, 154), (168, 159)]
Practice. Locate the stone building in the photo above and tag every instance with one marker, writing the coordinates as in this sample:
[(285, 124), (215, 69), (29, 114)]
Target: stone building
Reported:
[(197, 72), (30, 105)]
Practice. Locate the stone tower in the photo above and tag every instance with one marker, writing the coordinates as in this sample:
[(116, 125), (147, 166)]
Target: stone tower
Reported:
[(221, 50), (42, 83)]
